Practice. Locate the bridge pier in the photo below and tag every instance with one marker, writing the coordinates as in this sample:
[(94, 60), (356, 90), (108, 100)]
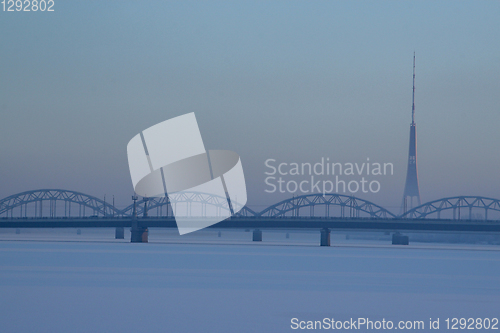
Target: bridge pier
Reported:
[(398, 239), (119, 233), (325, 237), (257, 235), (138, 235)]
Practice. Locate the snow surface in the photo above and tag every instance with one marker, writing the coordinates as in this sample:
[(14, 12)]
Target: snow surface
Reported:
[(57, 281)]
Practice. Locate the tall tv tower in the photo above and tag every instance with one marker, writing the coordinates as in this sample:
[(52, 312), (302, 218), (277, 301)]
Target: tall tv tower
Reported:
[(411, 186)]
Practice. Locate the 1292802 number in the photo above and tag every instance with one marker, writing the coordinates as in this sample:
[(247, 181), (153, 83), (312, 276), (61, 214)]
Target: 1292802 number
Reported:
[(472, 323), (28, 5)]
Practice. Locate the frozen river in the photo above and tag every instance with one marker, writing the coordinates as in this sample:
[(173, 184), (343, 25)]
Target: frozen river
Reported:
[(57, 281)]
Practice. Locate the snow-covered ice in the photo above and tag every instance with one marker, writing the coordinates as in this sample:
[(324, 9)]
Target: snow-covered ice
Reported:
[(51, 283)]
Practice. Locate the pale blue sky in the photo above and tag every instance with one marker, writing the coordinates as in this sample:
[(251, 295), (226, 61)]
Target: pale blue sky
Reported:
[(294, 81)]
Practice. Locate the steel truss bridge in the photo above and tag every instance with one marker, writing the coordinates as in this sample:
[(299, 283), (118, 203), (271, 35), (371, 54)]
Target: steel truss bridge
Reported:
[(61, 208)]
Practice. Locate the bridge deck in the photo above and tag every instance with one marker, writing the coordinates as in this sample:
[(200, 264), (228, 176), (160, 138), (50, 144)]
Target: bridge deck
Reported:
[(263, 223)]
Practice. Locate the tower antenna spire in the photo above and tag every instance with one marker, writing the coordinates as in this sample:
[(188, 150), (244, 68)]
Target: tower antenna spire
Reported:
[(413, 96), (411, 187)]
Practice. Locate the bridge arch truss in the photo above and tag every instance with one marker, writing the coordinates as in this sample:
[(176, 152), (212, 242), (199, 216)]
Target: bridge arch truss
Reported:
[(54, 203), (348, 206), (200, 204), (461, 207)]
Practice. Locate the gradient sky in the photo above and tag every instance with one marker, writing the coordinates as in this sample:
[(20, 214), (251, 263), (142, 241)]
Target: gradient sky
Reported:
[(293, 81)]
